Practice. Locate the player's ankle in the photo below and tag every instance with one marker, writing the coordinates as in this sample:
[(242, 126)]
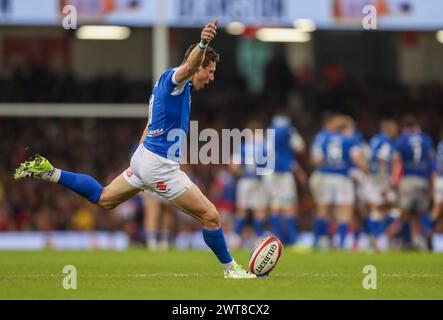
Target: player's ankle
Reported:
[(51, 176), (229, 265)]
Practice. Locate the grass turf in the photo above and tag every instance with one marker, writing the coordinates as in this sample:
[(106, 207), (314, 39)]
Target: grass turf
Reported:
[(189, 275)]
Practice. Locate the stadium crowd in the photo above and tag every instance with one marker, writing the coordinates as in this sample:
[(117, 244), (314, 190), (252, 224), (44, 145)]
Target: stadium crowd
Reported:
[(102, 147)]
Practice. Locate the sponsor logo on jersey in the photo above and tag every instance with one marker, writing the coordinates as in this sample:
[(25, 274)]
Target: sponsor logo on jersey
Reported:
[(155, 133), (129, 173)]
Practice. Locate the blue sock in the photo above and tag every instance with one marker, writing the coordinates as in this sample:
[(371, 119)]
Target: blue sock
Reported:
[(357, 235), (320, 229), (342, 232), (239, 225), (84, 185), (216, 241), (387, 222), (367, 225), (427, 224), (275, 220), (380, 228), (258, 227), (406, 233), (291, 224), (376, 228)]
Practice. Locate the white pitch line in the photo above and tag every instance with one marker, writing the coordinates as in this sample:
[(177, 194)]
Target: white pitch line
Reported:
[(349, 275), (194, 275), (112, 275)]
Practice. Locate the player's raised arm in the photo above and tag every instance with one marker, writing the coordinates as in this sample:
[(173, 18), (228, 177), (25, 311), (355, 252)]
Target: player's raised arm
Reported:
[(197, 55)]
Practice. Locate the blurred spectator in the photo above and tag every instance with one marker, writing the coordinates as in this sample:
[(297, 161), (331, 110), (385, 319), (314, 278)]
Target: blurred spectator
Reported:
[(83, 220)]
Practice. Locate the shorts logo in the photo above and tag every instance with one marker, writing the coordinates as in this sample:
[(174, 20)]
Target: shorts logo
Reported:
[(129, 173), (161, 186)]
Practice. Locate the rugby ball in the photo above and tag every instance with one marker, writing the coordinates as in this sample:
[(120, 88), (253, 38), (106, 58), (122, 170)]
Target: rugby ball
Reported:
[(265, 256)]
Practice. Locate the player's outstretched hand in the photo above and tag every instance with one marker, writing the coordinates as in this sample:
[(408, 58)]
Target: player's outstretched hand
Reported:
[(209, 32)]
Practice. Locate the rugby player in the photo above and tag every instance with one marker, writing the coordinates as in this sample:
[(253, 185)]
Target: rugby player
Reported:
[(281, 185), (414, 153), (155, 164)]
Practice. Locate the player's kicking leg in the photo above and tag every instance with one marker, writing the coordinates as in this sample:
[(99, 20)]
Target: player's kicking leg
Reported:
[(191, 201), (118, 191), (194, 203)]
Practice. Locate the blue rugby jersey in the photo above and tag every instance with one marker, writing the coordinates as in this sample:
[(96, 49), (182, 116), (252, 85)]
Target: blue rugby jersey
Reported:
[(336, 152), (416, 153), (250, 156), (382, 148), (281, 149), (169, 111)]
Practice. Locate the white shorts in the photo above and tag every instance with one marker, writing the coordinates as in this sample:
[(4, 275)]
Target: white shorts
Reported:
[(438, 190), (337, 189), (148, 195), (281, 190), (316, 185), (155, 173), (250, 194), (413, 192), (378, 193)]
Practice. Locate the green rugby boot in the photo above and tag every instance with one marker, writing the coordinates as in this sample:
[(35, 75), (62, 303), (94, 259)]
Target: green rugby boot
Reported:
[(237, 272), (36, 167)]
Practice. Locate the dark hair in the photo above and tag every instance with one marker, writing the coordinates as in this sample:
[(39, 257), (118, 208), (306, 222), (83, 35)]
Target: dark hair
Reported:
[(409, 122), (210, 56)]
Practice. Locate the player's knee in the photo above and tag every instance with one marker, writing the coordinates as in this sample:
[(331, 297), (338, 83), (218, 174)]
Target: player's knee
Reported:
[(211, 219), (106, 202)]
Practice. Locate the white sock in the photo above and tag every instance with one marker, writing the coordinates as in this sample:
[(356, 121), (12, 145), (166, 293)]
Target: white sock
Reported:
[(229, 265), (52, 176)]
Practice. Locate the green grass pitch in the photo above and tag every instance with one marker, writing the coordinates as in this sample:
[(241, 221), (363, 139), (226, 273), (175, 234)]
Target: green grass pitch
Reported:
[(189, 275)]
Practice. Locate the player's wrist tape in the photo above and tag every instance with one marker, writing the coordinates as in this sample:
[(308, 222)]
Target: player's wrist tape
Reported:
[(202, 46)]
